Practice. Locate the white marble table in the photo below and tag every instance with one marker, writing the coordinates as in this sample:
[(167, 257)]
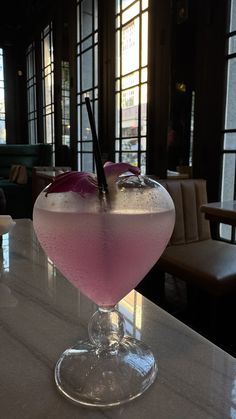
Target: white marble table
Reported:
[(41, 314)]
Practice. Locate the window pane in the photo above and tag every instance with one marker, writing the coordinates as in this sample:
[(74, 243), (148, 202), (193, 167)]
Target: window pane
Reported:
[(78, 21), (117, 145), (117, 115), (78, 74), (225, 231), (86, 18), (47, 56), (130, 80), (2, 102), (230, 141), (233, 16), (86, 131), (87, 146), (87, 162), (144, 39), (87, 68), (118, 22), (130, 12), (232, 45), (130, 47), (87, 43), (126, 3), (118, 54), (143, 144), (144, 75), (130, 99), (143, 163), (144, 109), (118, 6), (144, 4), (130, 112), (228, 177), (48, 90), (95, 15), (227, 188), (95, 70), (130, 145), (131, 158), (230, 120), (48, 129), (2, 131)]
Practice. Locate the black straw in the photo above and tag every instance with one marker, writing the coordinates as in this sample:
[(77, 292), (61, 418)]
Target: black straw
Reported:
[(102, 183)]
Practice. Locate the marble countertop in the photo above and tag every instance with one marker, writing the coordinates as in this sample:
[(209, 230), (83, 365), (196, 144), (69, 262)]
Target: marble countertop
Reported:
[(41, 315)]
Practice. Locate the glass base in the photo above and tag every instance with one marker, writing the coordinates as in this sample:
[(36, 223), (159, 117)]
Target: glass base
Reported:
[(93, 376)]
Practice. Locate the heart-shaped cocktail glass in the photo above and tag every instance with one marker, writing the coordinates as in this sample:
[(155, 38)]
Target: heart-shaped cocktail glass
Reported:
[(105, 246)]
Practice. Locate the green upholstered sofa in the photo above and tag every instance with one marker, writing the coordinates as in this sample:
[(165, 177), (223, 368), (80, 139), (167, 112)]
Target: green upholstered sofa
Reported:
[(19, 196)]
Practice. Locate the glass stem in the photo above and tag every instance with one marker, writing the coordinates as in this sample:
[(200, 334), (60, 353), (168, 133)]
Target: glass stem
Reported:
[(106, 327)]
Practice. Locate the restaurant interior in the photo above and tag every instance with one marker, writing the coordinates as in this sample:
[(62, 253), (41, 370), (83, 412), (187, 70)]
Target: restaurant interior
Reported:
[(161, 79)]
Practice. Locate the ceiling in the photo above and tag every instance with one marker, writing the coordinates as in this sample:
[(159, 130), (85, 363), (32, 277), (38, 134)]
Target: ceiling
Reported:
[(18, 17)]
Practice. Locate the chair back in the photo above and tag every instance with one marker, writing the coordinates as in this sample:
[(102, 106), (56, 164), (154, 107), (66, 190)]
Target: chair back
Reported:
[(188, 195)]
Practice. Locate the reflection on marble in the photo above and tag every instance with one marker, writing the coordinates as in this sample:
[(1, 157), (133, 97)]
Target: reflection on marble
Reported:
[(131, 308), (6, 297), (45, 315), (5, 252)]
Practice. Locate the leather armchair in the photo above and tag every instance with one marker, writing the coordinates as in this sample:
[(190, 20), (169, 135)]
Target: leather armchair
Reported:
[(192, 254), (207, 266)]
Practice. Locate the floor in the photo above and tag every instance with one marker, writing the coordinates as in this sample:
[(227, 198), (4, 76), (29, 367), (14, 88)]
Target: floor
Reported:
[(176, 303)]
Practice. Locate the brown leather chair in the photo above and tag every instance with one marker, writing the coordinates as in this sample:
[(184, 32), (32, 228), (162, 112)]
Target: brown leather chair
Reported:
[(192, 255)]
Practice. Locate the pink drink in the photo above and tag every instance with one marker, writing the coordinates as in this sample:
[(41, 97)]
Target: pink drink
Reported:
[(104, 244), (104, 253)]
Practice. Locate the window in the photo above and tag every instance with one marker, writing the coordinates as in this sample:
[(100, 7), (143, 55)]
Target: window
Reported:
[(2, 102), (65, 101), (192, 128), (228, 185), (87, 78), (131, 81), (31, 94), (48, 85)]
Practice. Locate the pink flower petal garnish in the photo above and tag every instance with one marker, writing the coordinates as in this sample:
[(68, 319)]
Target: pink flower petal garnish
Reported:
[(80, 182), (86, 183), (114, 170)]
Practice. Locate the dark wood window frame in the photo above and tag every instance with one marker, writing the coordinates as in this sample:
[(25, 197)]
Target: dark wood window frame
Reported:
[(158, 82)]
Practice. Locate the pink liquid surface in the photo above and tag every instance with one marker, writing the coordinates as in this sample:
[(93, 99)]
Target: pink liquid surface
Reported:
[(104, 255)]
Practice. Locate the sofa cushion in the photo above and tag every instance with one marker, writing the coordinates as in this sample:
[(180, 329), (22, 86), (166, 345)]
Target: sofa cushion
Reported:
[(19, 196), (209, 264), (188, 195), (18, 174)]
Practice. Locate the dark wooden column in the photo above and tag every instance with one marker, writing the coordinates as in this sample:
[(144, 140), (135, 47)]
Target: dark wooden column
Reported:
[(158, 87), (211, 20)]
